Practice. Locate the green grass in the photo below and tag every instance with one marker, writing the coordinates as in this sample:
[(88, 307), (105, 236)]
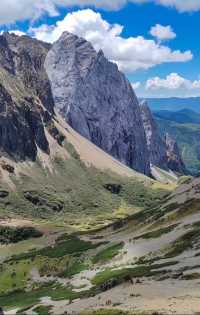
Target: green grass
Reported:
[(17, 234), (72, 269), (23, 299), (176, 211), (14, 276), (136, 193), (107, 253), (43, 310), (64, 259), (121, 275), (78, 195), (73, 245), (156, 233), (183, 243)]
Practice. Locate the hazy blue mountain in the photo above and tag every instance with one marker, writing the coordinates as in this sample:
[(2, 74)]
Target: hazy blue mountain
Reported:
[(183, 116), (174, 104)]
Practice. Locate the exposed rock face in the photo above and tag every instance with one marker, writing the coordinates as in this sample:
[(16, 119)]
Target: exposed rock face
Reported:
[(156, 145), (25, 92), (25, 60), (90, 92), (164, 153), (97, 100), (174, 159)]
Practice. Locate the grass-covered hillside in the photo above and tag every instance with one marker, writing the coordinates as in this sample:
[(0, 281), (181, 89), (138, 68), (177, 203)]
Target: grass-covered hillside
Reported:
[(77, 184), (123, 269), (50, 211)]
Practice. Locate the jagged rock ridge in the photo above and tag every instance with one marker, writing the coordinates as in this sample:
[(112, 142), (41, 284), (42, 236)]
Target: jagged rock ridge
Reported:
[(156, 145), (25, 95), (164, 153), (97, 100)]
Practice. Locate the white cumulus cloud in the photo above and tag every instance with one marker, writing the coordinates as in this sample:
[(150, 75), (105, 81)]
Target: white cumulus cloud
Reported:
[(172, 85), (12, 11), (162, 32), (129, 53)]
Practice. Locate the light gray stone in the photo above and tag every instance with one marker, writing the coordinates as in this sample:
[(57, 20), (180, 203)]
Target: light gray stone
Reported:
[(97, 100)]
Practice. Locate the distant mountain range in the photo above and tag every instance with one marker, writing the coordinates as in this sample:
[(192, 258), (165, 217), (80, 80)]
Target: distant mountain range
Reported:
[(183, 116), (174, 104)]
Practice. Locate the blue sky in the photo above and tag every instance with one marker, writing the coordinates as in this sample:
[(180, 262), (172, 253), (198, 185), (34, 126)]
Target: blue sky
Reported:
[(151, 62)]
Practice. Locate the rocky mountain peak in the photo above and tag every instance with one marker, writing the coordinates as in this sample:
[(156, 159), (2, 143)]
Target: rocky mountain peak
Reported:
[(97, 100), (25, 94), (25, 59)]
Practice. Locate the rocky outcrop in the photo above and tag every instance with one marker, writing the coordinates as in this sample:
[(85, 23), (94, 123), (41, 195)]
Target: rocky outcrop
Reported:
[(164, 153), (25, 59), (97, 100), (156, 145), (25, 95), (174, 159)]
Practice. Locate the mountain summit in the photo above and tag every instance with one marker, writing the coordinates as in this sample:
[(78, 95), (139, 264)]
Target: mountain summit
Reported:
[(97, 100)]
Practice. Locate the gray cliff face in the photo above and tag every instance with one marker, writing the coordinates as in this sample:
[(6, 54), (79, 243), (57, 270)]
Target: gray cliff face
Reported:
[(25, 95), (164, 153), (97, 100), (156, 145), (26, 61), (175, 161), (90, 92)]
